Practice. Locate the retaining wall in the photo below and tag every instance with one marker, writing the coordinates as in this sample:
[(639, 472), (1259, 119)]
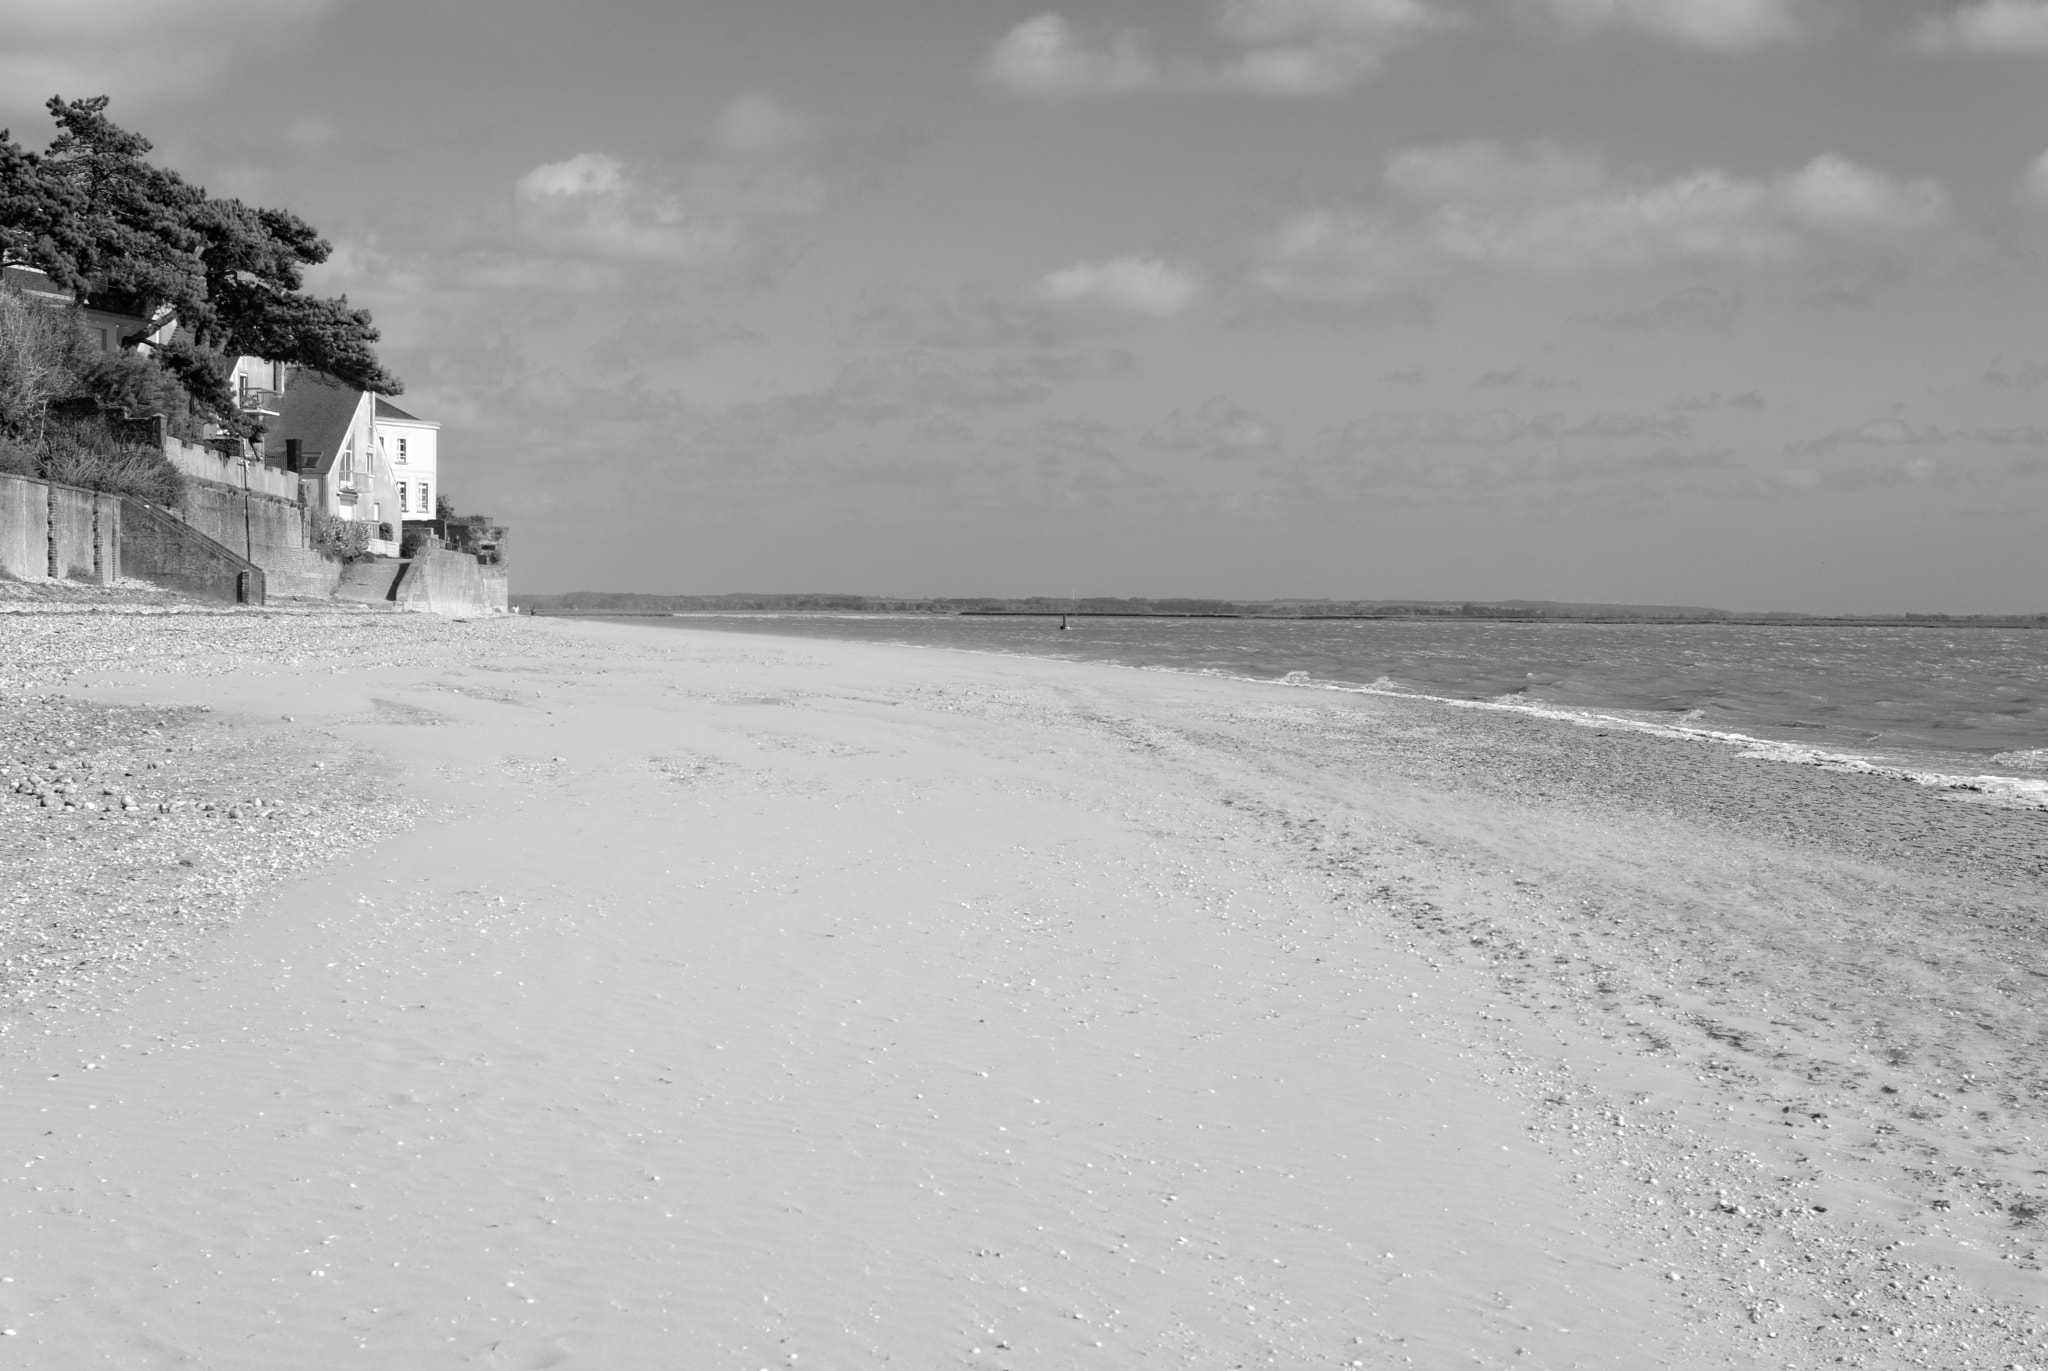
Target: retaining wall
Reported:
[(24, 526), (271, 531), (159, 547), (442, 582), (85, 535), (53, 530)]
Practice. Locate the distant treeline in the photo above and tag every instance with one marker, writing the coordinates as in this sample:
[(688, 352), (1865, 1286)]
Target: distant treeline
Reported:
[(632, 602)]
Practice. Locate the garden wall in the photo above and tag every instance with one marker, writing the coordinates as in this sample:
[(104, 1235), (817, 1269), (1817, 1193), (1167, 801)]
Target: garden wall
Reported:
[(207, 464)]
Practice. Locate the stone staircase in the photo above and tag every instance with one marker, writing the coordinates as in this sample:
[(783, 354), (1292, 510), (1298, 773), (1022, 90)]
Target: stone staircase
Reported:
[(372, 583)]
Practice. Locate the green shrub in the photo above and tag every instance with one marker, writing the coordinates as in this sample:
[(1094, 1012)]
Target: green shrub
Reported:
[(135, 384), (416, 537), (348, 539), (41, 352), (55, 390), (86, 454)]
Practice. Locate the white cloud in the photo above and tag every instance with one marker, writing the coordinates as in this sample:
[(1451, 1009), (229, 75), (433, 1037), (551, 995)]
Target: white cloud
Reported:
[(1044, 56), (914, 386), (587, 173), (1482, 169), (1140, 287), (1497, 428), (1834, 195), (1719, 25), (2034, 185), (1548, 212), (1218, 427), (756, 124), (1267, 47), (1899, 433), (1994, 26), (719, 214)]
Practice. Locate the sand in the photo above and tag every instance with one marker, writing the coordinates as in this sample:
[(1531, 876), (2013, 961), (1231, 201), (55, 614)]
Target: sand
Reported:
[(632, 998)]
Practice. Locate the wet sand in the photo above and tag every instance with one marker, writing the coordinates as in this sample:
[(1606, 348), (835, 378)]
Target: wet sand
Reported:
[(696, 1000)]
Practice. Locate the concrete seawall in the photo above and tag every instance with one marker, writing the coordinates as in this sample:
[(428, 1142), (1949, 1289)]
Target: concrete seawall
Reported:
[(442, 582), (269, 530), (160, 548), (56, 530)]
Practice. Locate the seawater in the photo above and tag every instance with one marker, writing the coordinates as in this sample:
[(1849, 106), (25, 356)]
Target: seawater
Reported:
[(1933, 701)]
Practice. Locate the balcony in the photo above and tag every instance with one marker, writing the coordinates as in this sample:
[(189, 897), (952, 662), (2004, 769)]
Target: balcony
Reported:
[(262, 403)]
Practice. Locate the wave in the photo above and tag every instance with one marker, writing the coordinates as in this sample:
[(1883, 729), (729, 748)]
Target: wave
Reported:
[(2009, 791)]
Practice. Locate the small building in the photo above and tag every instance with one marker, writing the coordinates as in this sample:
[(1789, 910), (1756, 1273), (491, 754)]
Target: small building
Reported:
[(410, 446), (104, 327), (327, 434)]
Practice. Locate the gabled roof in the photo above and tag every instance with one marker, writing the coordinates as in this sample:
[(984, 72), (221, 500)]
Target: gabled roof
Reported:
[(318, 411), (387, 410), (32, 281)]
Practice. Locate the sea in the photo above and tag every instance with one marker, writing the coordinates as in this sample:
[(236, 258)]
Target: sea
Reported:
[(1942, 705)]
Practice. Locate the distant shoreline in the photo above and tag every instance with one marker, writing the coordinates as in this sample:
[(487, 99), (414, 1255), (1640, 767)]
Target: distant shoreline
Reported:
[(537, 605)]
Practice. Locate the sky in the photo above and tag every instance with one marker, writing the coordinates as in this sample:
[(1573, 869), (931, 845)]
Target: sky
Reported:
[(1727, 302)]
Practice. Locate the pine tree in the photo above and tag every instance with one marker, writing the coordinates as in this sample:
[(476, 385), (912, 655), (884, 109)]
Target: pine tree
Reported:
[(138, 239)]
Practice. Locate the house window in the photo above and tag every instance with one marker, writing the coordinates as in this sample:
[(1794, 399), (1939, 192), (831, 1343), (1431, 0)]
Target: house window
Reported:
[(426, 505), (403, 507), (401, 449), (348, 463)]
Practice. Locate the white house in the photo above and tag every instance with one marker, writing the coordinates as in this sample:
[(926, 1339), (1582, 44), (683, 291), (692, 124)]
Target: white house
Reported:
[(410, 447), (326, 434)]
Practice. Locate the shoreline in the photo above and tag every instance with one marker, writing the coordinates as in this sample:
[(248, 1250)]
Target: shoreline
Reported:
[(1793, 1007), (1931, 769)]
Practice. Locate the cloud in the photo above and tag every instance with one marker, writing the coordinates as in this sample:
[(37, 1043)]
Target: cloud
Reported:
[(1547, 212), (1549, 474), (1066, 304), (1702, 307), (1407, 376), (1217, 428), (1716, 25), (117, 47), (2034, 184), (913, 386), (1694, 404), (1988, 26), (970, 316), (1876, 433), (1045, 57), (757, 124), (1521, 378), (1148, 288), (643, 337), (1278, 48), (716, 215), (2017, 376), (1419, 430), (1899, 433)]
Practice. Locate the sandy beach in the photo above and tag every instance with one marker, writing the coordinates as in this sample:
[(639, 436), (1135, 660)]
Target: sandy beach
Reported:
[(538, 993)]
